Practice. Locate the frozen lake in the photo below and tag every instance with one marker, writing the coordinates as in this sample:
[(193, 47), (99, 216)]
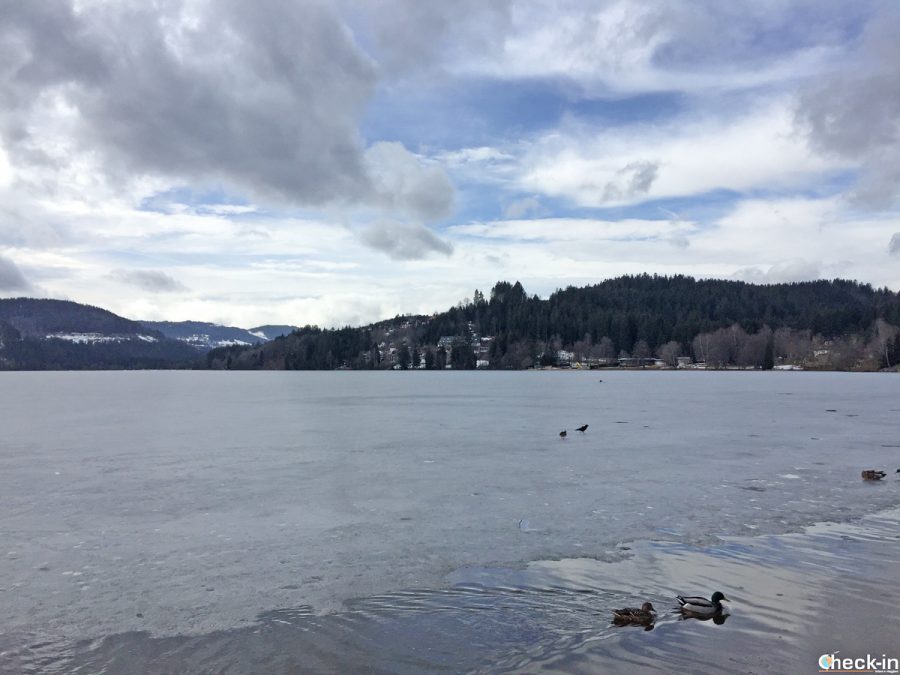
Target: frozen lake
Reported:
[(185, 503)]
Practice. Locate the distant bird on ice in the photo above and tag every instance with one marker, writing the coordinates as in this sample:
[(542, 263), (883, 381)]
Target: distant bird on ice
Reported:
[(583, 428), (562, 434)]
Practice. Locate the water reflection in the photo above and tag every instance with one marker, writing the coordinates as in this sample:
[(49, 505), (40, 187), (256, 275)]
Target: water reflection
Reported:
[(718, 618)]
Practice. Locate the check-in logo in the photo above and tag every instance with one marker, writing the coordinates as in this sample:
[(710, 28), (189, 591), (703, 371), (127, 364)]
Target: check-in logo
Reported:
[(832, 663), (826, 661)]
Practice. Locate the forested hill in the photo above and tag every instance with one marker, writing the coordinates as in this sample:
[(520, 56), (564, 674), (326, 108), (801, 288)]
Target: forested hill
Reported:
[(658, 309), (33, 317), (714, 321), (38, 334)]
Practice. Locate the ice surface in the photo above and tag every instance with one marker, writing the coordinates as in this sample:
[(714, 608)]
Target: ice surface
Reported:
[(180, 502)]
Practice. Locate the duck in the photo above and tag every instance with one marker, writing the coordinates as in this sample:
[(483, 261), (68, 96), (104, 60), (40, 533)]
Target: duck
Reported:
[(583, 428), (562, 434), (632, 615), (701, 606), (873, 474)]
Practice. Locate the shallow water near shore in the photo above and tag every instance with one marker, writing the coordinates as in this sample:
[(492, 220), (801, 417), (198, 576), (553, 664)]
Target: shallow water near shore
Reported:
[(285, 522), (792, 599)]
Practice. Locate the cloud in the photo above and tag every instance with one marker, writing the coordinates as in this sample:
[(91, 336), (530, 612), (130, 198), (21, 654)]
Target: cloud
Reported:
[(151, 281), (619, 47), (795, 269), (575, 230), (404, 241), (411, 35), (784, 271), (632, 180), (478, 155), (854, 112), (405, 184), (265, 98), (522, 207), (11, 277), (894, 246), (631, 164)]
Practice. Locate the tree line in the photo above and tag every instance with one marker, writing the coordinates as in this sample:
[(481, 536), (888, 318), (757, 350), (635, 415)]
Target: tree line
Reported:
[(843, 324)]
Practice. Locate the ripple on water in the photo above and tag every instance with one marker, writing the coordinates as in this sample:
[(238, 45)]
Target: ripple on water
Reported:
[(555, 615)]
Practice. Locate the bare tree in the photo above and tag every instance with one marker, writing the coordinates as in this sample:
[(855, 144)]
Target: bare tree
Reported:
[(641, 351), (846, 353), (885, 334), (582, 348), (752, 352), (604, 349), (669, 353), (700, 346)]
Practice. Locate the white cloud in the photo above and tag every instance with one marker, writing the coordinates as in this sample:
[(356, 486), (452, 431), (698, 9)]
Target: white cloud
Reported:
[(618, 47), (476, 155), (784, 271), (574, 230), (684, 157)]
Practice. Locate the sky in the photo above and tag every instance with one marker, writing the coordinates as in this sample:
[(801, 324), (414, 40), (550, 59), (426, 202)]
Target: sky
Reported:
[(337, 163)]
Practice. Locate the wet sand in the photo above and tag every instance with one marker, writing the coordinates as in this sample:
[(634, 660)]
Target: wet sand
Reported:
[(793, 598)]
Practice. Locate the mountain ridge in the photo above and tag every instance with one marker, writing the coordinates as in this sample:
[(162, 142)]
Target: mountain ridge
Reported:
[(633, 320)]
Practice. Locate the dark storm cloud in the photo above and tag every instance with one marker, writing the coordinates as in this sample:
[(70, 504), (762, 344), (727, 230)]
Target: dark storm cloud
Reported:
[(11, 277), (152, 281), (264, 96), (404, 241)]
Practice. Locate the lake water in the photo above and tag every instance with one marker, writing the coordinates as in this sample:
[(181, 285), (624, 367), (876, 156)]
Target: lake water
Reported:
[(281, 522)]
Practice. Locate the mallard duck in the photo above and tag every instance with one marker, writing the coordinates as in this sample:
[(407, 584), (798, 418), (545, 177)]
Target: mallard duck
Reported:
[(562, 434), (583, 428), (873, 474), (643, 616), (701, 606)]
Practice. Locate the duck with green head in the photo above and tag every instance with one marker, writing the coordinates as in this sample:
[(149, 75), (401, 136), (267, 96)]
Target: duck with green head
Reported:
[(698, 606)]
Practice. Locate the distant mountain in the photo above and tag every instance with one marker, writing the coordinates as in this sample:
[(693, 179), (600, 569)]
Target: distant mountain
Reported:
[(269, 332), (205, 336), (61, 335)]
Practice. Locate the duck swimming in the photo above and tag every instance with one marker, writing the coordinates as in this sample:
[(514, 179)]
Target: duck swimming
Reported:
[(562, 434), (873, 474), (701, 606), (632, 615), (582, 428)]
